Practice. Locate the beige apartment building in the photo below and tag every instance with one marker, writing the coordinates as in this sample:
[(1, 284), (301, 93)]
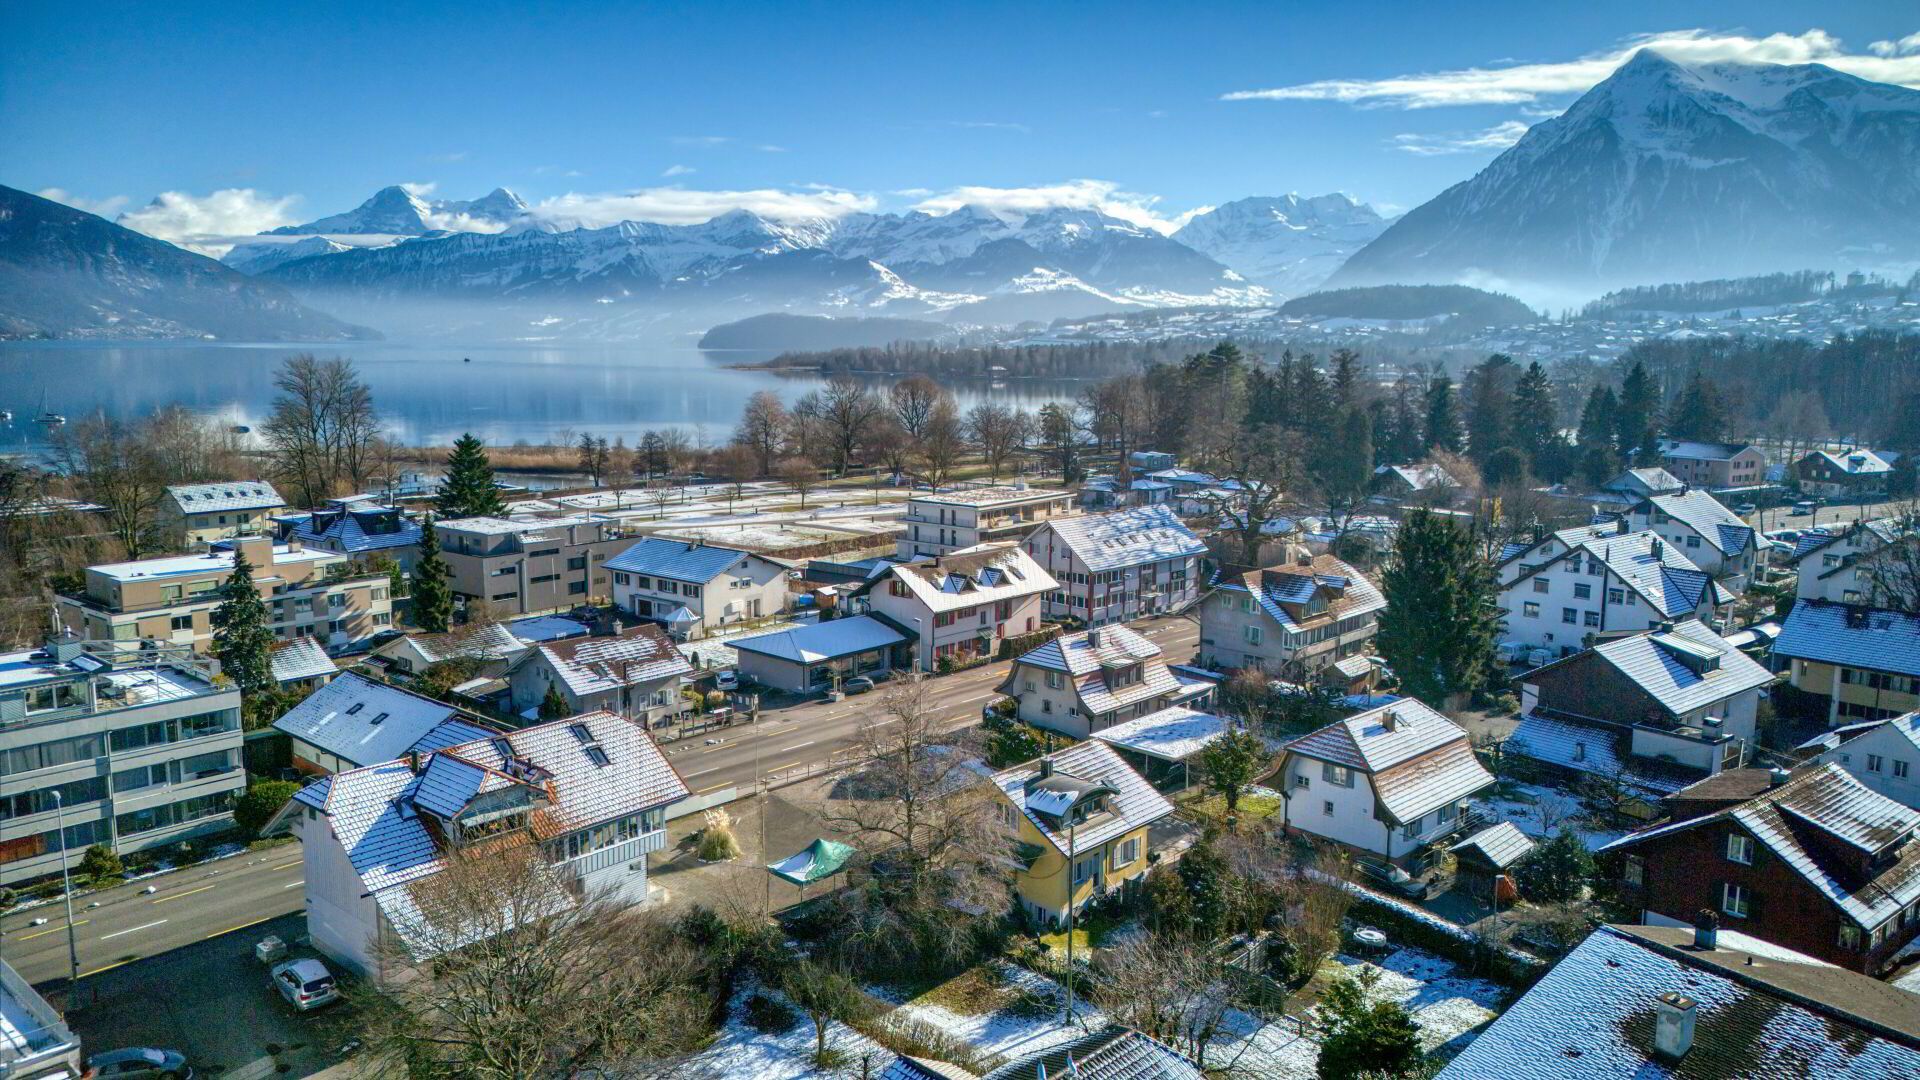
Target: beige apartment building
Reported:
[(317, 594), (941, 523), (527, 567)]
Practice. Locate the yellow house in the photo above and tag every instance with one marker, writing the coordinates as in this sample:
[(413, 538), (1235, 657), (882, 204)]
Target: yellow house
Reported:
[(1864, 661), (1082, 817)]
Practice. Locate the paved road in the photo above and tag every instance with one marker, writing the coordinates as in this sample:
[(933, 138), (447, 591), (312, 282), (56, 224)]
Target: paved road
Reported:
[(814, 732), (1779, 517), (187, 906)]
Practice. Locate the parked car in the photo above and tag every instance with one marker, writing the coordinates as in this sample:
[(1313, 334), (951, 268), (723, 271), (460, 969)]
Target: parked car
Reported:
[(139, 1061), (1802, 508), (859, 684), (1744, 509), (1785, 536), (306, 984), (1393, 879), (727, 680)]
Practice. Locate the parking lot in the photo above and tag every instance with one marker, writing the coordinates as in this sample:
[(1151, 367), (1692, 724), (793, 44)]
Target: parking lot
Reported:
[(211, 1001)]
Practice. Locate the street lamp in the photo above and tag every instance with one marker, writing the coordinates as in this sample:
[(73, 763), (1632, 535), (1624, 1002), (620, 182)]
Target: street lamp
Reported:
[(66, 886)]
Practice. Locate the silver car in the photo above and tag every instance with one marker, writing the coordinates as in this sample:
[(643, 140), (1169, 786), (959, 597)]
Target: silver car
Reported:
[(306, 984), (139, 1061)]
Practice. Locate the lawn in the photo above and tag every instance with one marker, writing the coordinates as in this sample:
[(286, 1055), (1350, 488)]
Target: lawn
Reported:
[(1252, 807)]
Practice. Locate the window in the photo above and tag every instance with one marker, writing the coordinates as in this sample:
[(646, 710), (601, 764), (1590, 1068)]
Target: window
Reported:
[(578, 562), (669, 587), (1254, 634), (1616, 596), (1735, 900), (1054, 680), (1874, 762), (1634, 870), (1302, 780), (622, 579), (1900, 770), (182, 622), (337, 600), (1593, 618), (576, 588), (1849, 936), (642, 581), (1084, 869), (382, 618), (1410, 830), (504, 596), (1126, 853), (1326, 808), (1530, 609), (1569, 616), (1583, 591), (1632, 600), (1693, 541), (691, 591), (543, 579), (1338, 775), (1541, 585), (1740, 848)]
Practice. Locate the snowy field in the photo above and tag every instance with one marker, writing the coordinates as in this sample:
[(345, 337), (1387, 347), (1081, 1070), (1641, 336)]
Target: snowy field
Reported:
[(1541, 812)]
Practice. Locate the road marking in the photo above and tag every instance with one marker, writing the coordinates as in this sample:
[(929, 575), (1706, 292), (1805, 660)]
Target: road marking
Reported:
[(291, 884), (131, 929), (109, 967), (795, 746), (702, 772), (284, 865), (715, 787), (242, 926), (777, 768), (51, 930), (178, 895)]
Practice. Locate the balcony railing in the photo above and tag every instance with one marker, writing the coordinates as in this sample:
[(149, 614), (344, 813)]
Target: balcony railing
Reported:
[(625, 851)]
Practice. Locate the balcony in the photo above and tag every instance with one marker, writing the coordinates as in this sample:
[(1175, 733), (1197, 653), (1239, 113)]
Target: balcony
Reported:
[(626, 851)]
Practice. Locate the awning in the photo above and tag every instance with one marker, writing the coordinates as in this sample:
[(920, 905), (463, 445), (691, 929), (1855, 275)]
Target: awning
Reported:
[(821, 859)]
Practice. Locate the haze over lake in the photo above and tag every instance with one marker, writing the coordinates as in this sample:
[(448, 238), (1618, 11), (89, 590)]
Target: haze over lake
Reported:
[(428, 394)]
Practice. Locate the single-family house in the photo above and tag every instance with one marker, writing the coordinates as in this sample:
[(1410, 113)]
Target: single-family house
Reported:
[(694, 588), (354, 721), (1151, 461), (1713, 537), (589, 792), (1637, 484), (490, 647), (1608, 585), (960, 606), (301, 664), (819, 656), (357, 527), (1118, 567), (1392, 782), (1079, 684), (636, 672), (1713, 465), (1842, 563), (1295, 621), (1882, 754), (1426, 484), (1112, 493), (1523, 556), (191, 514), (1666, 1002), (1082, 816), (1815, 861), (1844, 474), (1865, 662)]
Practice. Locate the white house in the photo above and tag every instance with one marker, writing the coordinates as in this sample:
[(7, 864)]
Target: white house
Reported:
[(1082, 683), (591, 791), (1882, 754), (1713, 537), (693, 588), (197, 513), (1294, 621), (961, 606), (1118, 567), (939, 523), (1521, 557), (353, 722), (1837, 563), (636, 672), (1608, 585), (1391, 782)]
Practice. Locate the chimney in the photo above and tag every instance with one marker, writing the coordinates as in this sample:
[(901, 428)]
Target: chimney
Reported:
[(1778, 778), (1620, 526), (1539, 532), (1046, 767), (413, 762), (1093, 638), (1390, 720), (1659, 550), (1706, 930), (1673, 1026)]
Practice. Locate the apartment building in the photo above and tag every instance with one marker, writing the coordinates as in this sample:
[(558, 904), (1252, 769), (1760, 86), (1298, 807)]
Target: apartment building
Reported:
[(1713, 465), (944, 522), (526, 567), (1297, 621), (316, 594), (1864, 662), (133, 744), (1609, 585), (959, 607), (191, 514), (694, 588), (1714, 538), (1118, 567)]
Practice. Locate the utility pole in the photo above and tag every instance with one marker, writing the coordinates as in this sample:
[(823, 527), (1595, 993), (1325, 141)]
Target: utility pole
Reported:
[(1072, 887), (66, 886)]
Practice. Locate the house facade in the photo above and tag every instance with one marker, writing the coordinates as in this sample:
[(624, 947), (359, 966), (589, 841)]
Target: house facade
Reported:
[(959, 607), (1392, 783), (636, 673), (1882, 754), (819, 656), (1623, 583), (1843, 474), (590, 792), (191, 514), (1816, 861), (355, 527), (1838, 564), (1296, 621), (1082, 817), (1120, 566), (693, 588), (1083, 683), (940, 523), (1713, 537), (1713, 465), (315, 594), (518, 567), (138, 740), (1864, 662)]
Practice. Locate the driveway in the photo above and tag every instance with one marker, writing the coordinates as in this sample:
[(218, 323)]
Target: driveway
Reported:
[(211, 1001)]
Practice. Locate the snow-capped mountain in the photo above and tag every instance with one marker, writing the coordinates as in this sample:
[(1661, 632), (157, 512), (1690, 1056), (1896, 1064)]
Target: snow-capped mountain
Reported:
[(396, 211), (65, 273), (1288, 243), (263, 255), (1669, 173)]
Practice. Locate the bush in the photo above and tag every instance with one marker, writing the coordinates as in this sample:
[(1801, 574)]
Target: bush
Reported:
[(1556, 872), (770, 1016), (1363, 1035), (262, 799), (100, 863), (717, 843)]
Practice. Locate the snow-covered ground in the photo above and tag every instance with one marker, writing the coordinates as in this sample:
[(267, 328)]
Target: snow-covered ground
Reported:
[(741, 1052), (1541, 812)]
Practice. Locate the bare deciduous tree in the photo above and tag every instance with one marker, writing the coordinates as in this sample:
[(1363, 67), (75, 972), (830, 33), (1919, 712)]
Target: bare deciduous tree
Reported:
[(111, 464), (799, 474), (942, 442), (1175, 990), (912, 400), (998, 431), (843, 412), (322, 430)]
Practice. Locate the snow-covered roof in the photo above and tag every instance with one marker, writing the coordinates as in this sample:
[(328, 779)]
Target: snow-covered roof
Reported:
[(988, 497), (1856, 637), (1134, 802), (973, 576), (1704, 514), (1693, 450), (301, 658), (1175, 733), (227, 496), (1501, 845), (491, 641), (589, 665), (1657, 663), (1647, 481), (217, 560), (1653, 568), (1113, 1053), (1132, 537), (1858, 462), (361, 721), (1086, 657), (679, 560), (1418, 760), (817, 642), (547, 628), (1781, 1014), (1591, 748), (1419, 477), (1348, 592), (358, 528)]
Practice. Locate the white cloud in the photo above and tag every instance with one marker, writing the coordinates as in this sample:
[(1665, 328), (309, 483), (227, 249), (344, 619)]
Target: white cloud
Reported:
[(210, 224), (682, 206), (1101, 195), (106, 207), (419, 189), (1886, 61), (991, 125), (677, 170), (769, 148), (700, 140), (1498, 137)]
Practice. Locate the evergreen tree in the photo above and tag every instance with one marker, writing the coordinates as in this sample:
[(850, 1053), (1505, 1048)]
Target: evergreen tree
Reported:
[(1438, 629), (1489, 390), (242, 640), (554, 705), (1536, 430), (1230, 764), (1508, 465), (1361, 1035), (1405, 436), (1555, 872), (468, 489), (1594, 452), (432, 596), (1346, 467), (1637, 421), (1701, 412), (1443, 417)]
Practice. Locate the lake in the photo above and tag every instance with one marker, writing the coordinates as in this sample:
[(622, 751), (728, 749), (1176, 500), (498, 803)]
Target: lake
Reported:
[(428, 394)]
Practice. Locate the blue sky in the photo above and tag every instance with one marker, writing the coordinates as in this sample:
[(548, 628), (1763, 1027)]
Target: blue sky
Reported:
[(259, 114)]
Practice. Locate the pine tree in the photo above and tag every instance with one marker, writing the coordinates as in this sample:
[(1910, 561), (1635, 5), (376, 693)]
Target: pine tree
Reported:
[(432, 596), (1489, 393), (1638, 417), (1362, 1034), (242, 640), (468, 489), (1536, 430), (1346, 465), (1701, 413), (554, 705), (1437, 632), (1443, 417)]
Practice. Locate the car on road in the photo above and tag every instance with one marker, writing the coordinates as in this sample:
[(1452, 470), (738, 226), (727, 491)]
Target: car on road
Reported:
[(1744, 509), (859, 684), (305, 983), (1801, 509), (142, 1062)]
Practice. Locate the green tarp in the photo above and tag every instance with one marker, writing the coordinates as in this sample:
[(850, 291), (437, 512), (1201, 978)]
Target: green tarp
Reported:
[(821, 859)]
